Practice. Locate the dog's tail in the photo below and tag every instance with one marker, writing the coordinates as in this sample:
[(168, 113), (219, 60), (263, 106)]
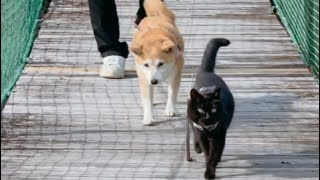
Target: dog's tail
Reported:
[(209, 59), (158, 8)]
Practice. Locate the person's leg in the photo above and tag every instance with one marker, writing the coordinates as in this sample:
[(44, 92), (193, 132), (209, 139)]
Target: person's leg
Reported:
[(105, 24), (141, 13)]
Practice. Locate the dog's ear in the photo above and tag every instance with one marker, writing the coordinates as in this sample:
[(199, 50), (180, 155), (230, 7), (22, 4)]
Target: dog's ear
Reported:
[(196, 96), (168, 46), (136, 49)]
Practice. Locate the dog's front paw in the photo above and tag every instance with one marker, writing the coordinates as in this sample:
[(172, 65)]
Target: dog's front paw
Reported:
[(171, 111), (148, 121)]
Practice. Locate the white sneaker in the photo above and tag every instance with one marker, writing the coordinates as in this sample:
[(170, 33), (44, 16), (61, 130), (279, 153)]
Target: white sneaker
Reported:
[(113, 67)]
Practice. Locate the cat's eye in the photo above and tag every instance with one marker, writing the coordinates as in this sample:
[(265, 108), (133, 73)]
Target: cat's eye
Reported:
[(146, 65), (214, 110), (201, 111)]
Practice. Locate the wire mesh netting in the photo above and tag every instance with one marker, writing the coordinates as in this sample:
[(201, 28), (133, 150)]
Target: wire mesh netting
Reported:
[(301, 18), (18, 22), (63, 121)]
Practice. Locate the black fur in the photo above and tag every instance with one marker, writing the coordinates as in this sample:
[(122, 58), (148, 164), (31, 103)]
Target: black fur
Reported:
[(211, 108), (141, 14)]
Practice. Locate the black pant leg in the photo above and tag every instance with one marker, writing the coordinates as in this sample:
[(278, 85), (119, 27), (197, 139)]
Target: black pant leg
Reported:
[(105, 24), (141, 13)]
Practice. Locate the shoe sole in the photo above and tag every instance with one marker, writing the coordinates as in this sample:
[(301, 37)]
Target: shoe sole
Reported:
[(109, 76)]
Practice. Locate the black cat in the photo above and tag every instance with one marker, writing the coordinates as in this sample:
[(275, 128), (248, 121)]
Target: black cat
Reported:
[(210, 109)]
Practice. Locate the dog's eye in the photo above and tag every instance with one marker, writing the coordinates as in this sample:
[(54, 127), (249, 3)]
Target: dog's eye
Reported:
[(146, 65), (160, 64)]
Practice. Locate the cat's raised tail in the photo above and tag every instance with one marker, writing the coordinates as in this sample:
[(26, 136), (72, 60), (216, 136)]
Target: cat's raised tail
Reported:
[(210, 54)]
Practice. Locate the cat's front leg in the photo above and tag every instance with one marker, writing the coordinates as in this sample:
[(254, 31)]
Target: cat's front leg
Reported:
[(197, 140), (211, 161), (221, 144), (211, 168)]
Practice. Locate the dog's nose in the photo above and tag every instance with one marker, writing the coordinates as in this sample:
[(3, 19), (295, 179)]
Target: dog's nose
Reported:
[(154, 81)]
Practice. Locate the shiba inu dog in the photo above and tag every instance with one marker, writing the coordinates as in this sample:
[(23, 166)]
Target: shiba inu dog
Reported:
[(158, 49)]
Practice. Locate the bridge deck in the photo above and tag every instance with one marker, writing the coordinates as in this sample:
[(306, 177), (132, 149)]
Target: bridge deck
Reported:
[(64, 121)]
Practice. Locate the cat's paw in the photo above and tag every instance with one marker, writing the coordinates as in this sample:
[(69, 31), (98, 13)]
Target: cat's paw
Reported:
[(209, 175)]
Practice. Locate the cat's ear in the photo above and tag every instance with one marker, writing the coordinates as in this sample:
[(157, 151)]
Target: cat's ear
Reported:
[(195, 95), (216, 93)]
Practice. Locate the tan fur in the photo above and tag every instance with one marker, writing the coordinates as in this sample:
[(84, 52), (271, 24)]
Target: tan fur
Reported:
[(158, 38), (158, 8)]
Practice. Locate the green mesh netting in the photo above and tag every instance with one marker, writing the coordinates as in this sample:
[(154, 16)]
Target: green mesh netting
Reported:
[(18, 23), (301, 18)]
